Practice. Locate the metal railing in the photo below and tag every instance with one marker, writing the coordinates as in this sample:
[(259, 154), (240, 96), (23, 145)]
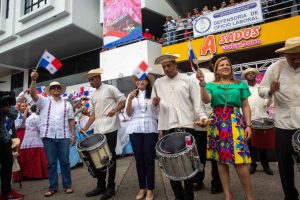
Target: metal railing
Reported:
[(271, 12), (259, 65)]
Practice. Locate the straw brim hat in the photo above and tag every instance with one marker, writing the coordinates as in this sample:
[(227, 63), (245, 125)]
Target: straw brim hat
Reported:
[(149, 76), (245, 72), (166, 58), (203, 59), (47, 89), (94, 72), (15, 142), (292, 45)]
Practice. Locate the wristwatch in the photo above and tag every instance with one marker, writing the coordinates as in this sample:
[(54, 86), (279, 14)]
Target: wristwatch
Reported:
[(203, 84)]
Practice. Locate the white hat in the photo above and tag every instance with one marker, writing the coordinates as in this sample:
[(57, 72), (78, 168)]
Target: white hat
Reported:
[(250, 69), (63, 88), (292, 45), (94, 72), (167, 57)]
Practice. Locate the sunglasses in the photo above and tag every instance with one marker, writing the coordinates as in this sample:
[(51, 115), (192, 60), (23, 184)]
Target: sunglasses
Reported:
[(55, 87)]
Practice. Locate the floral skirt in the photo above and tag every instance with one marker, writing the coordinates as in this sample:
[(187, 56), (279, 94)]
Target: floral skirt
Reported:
[(225, 142)]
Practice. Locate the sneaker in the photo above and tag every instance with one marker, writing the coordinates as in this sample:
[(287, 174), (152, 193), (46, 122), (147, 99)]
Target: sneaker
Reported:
[(13, 195), (95, 192)]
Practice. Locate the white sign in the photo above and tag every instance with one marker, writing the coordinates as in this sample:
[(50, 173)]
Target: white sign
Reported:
[(228, 18)]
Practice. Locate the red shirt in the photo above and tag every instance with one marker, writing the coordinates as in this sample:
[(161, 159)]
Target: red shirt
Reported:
[(147, 35)]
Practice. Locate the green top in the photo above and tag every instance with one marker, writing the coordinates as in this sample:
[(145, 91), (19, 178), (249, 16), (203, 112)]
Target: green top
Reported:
[(236, 93)]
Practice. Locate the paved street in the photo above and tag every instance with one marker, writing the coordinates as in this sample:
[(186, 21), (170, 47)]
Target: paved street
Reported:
[(265, 187)]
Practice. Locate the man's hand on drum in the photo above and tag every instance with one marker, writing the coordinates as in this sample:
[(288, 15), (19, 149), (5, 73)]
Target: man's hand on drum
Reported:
[(248, 133), (82, 130), (155, 101), (200, 76)]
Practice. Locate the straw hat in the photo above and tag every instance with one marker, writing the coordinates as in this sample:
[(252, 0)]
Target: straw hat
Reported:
[(245, 72), (149, 76), (15, 142), (47, 89), (203, 59), (94, 72), (167, 57), (292, 45)]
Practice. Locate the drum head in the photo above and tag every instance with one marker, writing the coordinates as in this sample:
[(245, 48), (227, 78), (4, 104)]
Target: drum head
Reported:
[(296, 139), (262, 123), (90, 142), (173, 143)]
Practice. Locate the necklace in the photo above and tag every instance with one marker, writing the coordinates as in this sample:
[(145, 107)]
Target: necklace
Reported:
[(143, 106), (226, 95)]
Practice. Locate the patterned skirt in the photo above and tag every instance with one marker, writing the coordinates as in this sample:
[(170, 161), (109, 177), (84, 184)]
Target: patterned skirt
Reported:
[(225, 142)]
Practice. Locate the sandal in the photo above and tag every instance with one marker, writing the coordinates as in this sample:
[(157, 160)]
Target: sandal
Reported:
[(68, 190), (49, 193)]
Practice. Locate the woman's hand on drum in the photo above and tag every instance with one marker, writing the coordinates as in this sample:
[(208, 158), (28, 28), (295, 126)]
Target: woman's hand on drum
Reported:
[(248, 133), (82, 131), (200, 76)]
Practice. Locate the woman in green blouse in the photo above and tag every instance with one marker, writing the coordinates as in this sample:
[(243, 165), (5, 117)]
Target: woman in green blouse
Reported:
[(228, 131)]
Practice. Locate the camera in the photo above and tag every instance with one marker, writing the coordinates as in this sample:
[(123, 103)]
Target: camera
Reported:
[(7, 98)]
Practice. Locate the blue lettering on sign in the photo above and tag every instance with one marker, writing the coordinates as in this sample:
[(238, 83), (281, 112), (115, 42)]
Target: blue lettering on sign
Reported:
[(235, 10)]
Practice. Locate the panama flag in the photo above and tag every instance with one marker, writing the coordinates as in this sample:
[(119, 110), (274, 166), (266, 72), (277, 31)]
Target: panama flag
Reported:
[(192, 57), (142, 70), (40, 90), (49, 62)]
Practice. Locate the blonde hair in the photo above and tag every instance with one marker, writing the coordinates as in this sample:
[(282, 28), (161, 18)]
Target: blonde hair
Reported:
[(231, 76)]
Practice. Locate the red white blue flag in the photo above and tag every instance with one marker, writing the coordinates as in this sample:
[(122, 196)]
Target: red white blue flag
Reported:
[(192, 57), (50, 63), (142, 70)]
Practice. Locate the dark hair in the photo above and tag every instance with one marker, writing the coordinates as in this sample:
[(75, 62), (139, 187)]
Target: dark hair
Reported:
[(148, 89), (33, 108)]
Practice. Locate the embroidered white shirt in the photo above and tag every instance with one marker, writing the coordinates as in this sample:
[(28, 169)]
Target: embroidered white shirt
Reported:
[(54, 117)]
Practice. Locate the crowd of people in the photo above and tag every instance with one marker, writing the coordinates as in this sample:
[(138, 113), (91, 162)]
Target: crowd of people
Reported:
[(181, 29), (213, 106)]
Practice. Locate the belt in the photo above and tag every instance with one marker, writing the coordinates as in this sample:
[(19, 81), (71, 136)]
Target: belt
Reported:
[(188, 130)]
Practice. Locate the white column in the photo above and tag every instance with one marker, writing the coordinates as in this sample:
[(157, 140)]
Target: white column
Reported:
[(25, 79)]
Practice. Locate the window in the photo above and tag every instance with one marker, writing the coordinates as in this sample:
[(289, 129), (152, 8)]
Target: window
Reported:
[(31, 5), (7, 9)]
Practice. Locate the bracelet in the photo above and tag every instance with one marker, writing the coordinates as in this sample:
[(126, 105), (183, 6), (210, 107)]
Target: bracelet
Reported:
[(73, 136), (203, 84)]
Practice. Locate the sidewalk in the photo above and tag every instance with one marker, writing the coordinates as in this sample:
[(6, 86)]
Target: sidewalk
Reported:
[(265, 187)]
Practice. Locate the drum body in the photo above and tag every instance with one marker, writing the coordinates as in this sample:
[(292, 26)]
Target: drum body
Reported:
[(95, 152), (296, 145), (178, 161), (263, 136)]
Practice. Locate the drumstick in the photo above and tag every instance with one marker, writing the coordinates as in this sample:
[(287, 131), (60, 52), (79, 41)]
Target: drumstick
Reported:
[(84, 133)]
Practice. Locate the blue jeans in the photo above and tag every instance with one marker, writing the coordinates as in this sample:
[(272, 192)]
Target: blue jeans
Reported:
[(58, 149)]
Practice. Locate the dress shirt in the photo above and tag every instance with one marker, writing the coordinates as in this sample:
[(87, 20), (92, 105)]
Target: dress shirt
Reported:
[(104, 100), (258, 105), (287, 99), (144, 115), (54, 117), (82, 121), (179, 99)]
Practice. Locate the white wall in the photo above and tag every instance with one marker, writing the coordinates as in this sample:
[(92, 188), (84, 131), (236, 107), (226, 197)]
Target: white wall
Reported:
[(123, 61), (7, 85), (86, 16), (7, 25)]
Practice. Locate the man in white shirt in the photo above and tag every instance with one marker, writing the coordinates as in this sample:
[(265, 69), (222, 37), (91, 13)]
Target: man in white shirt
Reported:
[(57, 130), (176, 95), (282, 81), (107, 101), (204, 63), (259, 107)]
